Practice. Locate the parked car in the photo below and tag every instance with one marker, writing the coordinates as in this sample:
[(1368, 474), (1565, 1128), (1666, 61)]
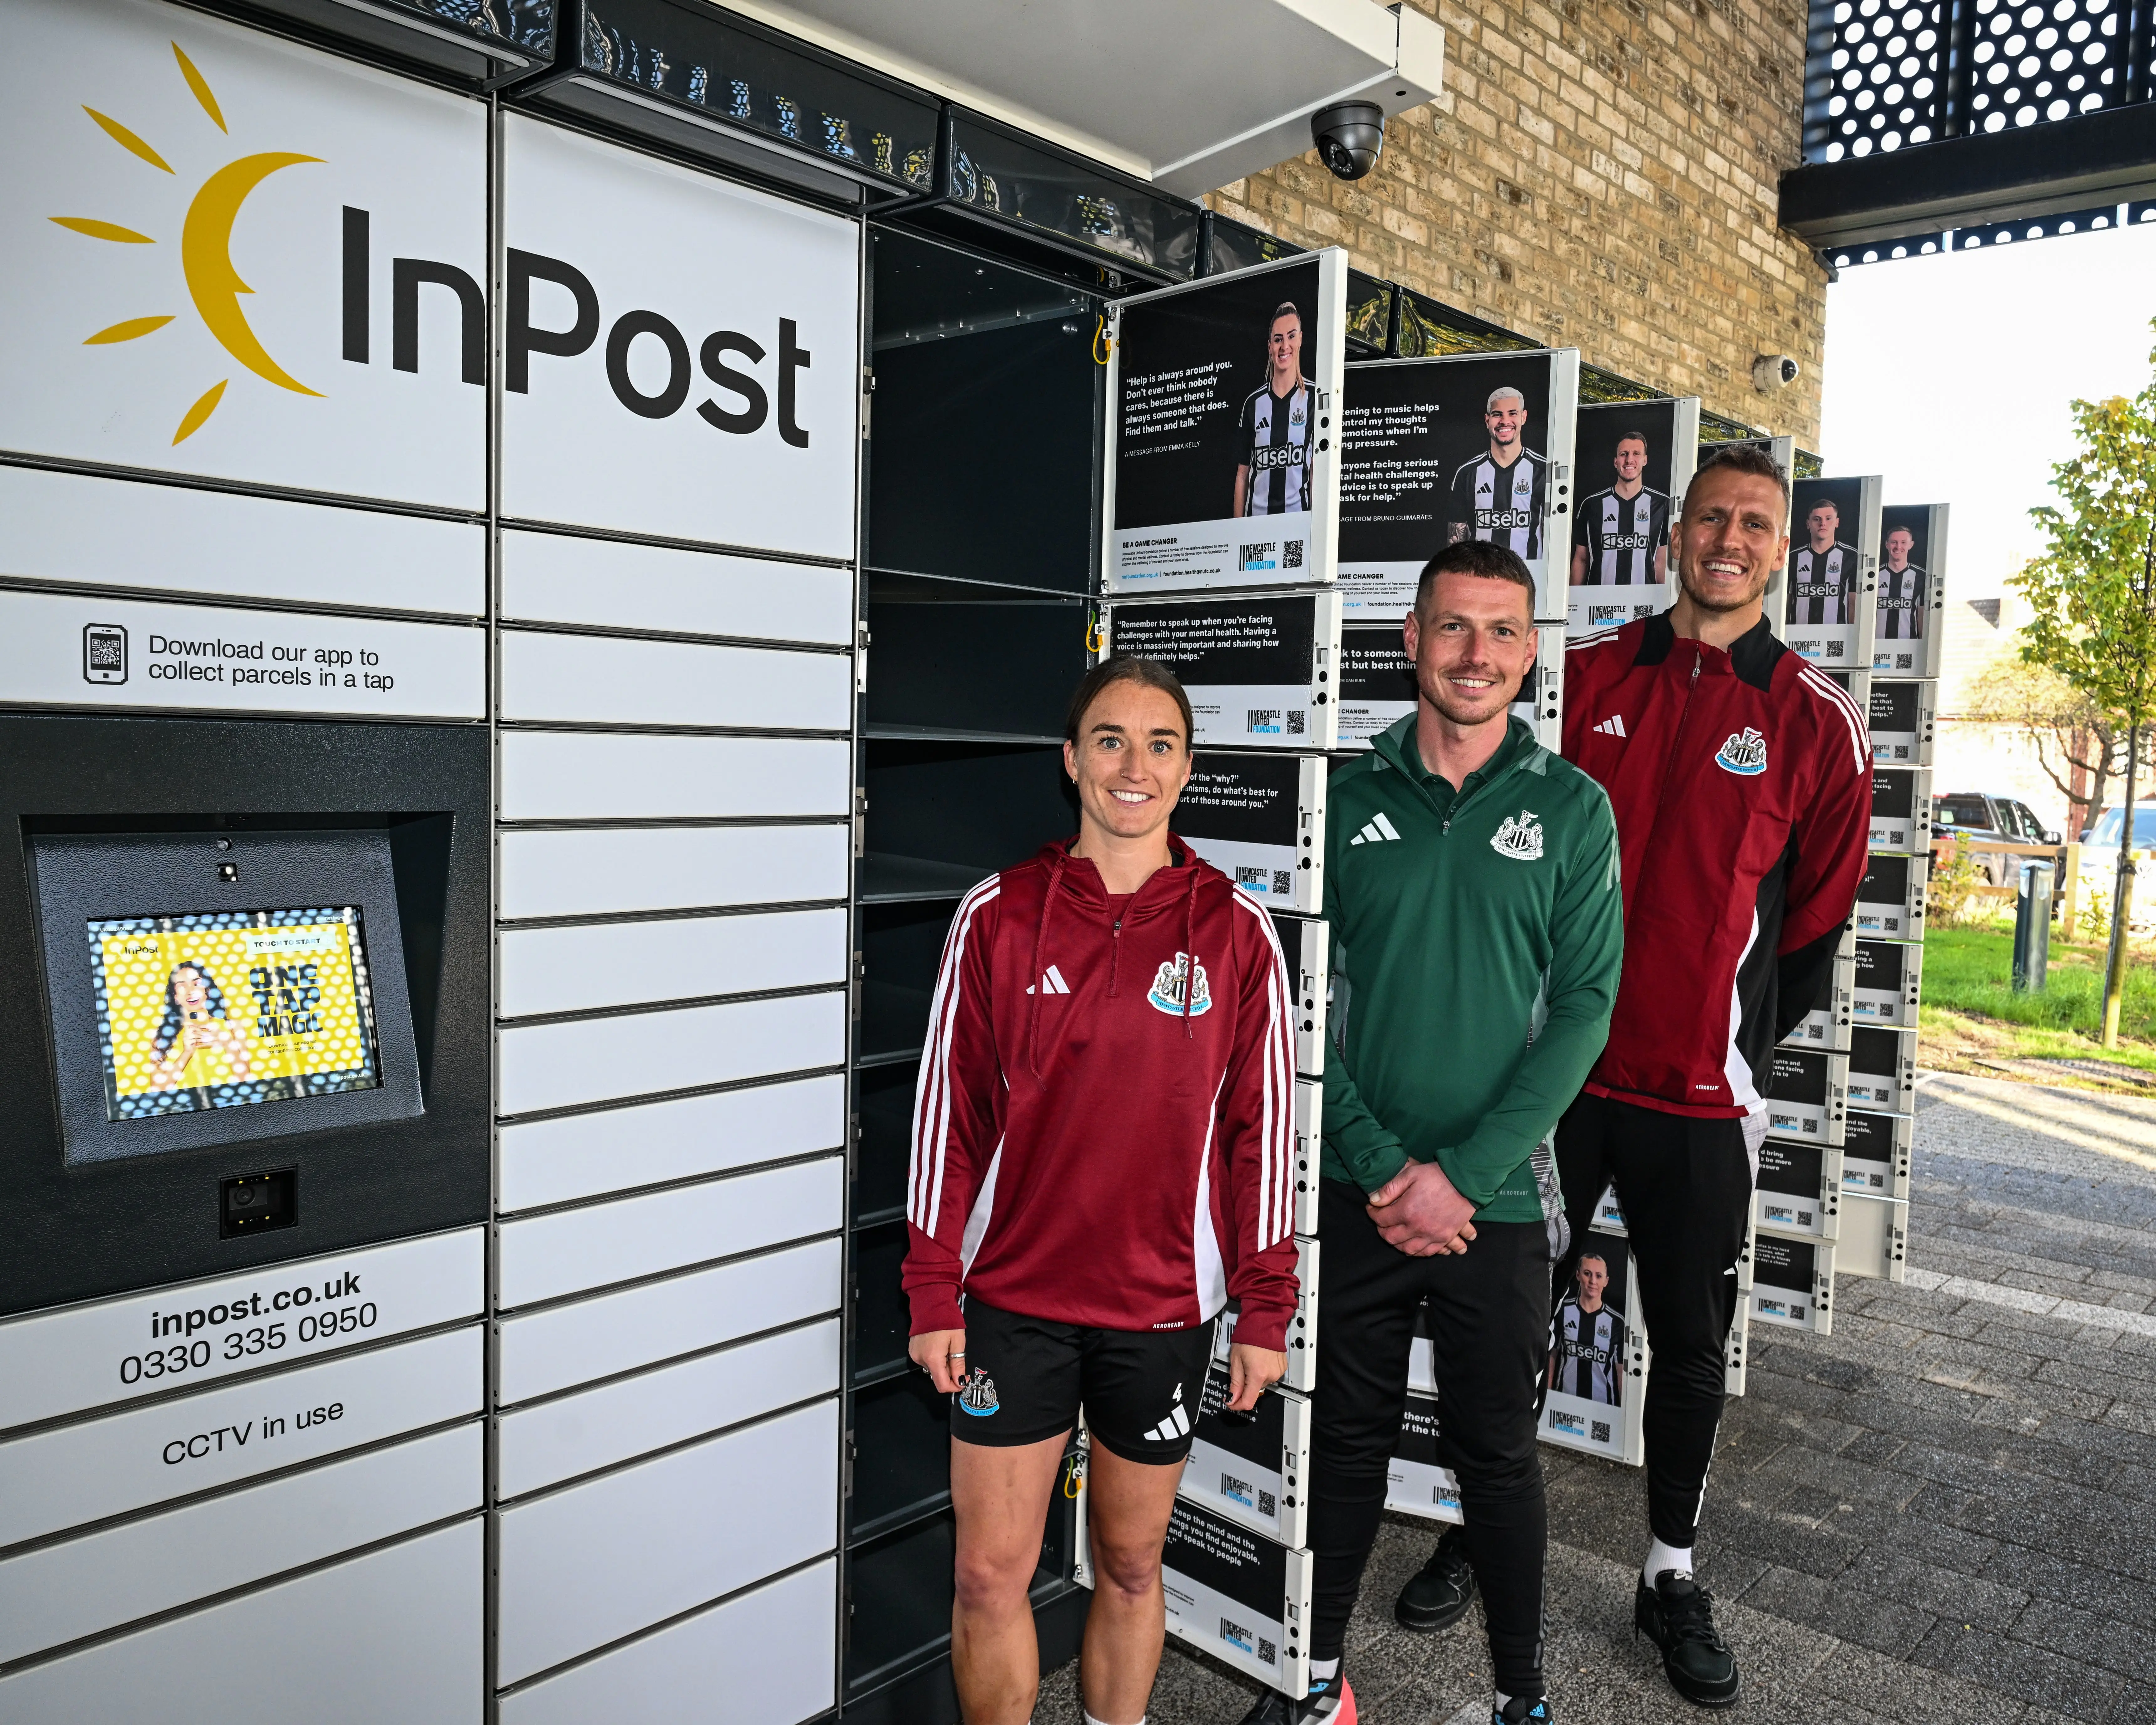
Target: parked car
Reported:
[(1977, 814), (2100, 862)]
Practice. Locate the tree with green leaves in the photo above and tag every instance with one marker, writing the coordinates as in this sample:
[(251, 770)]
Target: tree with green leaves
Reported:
[(2093, 591)]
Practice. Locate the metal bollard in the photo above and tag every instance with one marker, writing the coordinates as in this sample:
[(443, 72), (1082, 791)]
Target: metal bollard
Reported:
[(2032, 927)]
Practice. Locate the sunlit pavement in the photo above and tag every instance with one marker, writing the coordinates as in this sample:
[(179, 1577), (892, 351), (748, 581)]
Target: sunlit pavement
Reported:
[(1944, 1511)]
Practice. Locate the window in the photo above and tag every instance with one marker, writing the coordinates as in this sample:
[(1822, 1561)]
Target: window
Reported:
[(1967, 812), (2144, 827)]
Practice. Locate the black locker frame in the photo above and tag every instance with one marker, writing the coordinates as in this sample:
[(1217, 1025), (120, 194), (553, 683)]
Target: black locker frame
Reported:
[(976, 604)]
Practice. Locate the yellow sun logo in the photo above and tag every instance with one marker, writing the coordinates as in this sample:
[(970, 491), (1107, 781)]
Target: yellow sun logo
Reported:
[(205, 252)]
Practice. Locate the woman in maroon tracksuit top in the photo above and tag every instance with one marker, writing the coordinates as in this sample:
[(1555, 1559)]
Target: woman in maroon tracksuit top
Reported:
[(1103, 1146)]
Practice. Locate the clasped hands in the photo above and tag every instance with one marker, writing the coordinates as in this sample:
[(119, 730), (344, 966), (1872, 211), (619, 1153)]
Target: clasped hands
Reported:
[(1421, 1213)]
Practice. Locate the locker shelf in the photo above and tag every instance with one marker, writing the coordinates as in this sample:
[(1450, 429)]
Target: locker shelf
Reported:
[(948, 733), (883, 1100), (897, 880), (902, 1433), (894, 1019)]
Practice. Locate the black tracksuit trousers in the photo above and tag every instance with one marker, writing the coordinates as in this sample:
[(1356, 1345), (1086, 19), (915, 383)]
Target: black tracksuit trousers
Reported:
[(1489, 1321), (1684, 1186)]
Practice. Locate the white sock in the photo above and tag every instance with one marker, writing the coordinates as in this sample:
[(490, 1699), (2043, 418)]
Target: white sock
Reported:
[(1324, 1671), (1660, 1557), (1502, 1701), (1090, 1720)]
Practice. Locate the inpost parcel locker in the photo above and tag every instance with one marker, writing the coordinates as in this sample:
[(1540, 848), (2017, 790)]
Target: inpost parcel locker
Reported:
[(246, 774)]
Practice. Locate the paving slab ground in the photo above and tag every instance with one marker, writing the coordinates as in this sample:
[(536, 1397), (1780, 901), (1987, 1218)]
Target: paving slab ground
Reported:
[(1943, 1512)]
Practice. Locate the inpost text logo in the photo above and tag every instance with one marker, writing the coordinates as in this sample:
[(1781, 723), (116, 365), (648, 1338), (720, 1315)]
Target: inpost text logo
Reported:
[(730, 360)]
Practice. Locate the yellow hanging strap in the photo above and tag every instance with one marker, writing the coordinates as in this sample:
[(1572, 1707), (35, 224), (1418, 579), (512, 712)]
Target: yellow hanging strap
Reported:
[(1073, 1476), (1102, 345), (1095, 640)]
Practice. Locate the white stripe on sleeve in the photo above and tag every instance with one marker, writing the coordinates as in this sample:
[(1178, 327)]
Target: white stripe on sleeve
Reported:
[(931, 1096)]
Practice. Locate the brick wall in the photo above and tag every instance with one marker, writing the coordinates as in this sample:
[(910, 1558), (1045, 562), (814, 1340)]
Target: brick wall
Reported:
[(1598, 174)]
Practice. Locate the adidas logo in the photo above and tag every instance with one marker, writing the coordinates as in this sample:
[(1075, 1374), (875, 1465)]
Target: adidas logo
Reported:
[(1612, 726), (1176, 1426), (1052, 984), (1375, 832)]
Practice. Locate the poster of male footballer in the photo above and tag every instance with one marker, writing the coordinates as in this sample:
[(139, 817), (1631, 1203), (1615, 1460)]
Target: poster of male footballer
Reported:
[(1222, 455), (1477, 446), (1912, 572), (1834, 547), (1634, 460)]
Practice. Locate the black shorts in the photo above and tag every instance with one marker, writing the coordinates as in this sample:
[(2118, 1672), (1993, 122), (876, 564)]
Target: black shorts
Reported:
[(1026, 1379)]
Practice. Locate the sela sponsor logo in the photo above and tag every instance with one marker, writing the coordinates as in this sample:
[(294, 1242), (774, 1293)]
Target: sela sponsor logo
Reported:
[(1743, 753), (978, 1396), (1051, 982), (1167, 989), (1614, 725), (1278, 455), (1377, 830), (1519, 837)]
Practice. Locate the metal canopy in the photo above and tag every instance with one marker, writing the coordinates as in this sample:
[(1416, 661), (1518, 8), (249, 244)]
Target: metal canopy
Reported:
[(2049, 169), (1190, 95)]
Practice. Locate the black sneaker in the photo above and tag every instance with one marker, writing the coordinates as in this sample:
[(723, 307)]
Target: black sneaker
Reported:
[(1521, 1710), (1678, 1615), (1320, 1706), (1439, 1593)]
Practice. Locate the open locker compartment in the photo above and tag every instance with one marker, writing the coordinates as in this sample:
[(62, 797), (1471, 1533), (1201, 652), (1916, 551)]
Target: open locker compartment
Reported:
[(1890, 900), (1416, 1482), (1260, 820), (1600, 1357), (1422, 467), (1876, 1151), (1634, 458), (1907, 636), (1261, 671), (1807, 1095), (1903, 718), (1828, 1025), (1792, 1283), (1890, 976), (1231, 1592), (1874, 1239), (1834, 549), (1799, 1190), (1306, 945), (1302, 1328), (1901, 809), (1253, 1468), (1212, 479), (1378, 686), (1882, 1069)]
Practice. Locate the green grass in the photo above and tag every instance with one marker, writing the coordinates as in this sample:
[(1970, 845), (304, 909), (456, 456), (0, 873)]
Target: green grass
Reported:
[(1970, 970)]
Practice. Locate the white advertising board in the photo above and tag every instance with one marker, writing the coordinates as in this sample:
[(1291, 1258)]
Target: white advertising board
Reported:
[(232, 256), (679, 355)]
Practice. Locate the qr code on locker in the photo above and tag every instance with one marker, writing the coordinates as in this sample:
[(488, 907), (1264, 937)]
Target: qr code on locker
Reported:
[(1295, 722), (1268, 1505), (1835, 649), (1905, 662), (1255, 879), (1267, 1652), (1600, 1429), (1291, 554), (1284, 883)]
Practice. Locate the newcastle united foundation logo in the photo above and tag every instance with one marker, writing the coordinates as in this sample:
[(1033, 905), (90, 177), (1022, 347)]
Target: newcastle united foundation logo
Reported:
[(1520, 837), (1168, 983), (978, 1396), (1745, 753)]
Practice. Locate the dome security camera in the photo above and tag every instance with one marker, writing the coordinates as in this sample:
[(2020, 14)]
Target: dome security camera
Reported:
[(1348, 136), (1771, 372)]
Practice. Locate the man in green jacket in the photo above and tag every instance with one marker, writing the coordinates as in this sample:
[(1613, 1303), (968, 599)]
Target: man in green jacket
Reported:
[(1471, 883)]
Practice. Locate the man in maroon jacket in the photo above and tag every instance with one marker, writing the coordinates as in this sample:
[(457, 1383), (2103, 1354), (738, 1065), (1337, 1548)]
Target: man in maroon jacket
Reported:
[(1740, 778)]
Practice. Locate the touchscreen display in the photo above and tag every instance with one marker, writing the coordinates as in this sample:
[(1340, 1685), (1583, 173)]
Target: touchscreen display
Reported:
[(225, 1008)]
